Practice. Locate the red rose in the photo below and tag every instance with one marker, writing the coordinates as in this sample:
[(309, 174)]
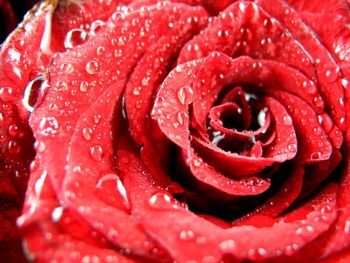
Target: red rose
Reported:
[(187, 131)]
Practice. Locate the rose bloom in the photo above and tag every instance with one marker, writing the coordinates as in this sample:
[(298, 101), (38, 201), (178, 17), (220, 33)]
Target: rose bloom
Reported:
[(176, 131)]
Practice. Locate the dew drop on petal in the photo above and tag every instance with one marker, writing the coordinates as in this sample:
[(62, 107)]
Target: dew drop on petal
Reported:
[(181, 117), (119, 185), (13, 130), (161, 200), (57, 214), (6, 94), (84, 86), (2, 119), (227, 245), (67, 68), (34, 93), (87, 134), (13, 147), (96, 152), (101, 50), (92, 67), (96, 26), (97, 118), (39, 146), (287, 120), (185, 95), (186, 235), (315, 155), (75, 37)]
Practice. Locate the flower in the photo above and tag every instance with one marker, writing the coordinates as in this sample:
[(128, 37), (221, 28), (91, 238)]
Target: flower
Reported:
[(187, 131)]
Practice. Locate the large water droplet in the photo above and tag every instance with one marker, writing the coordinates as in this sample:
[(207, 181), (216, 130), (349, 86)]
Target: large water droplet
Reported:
[(101, 50), (13, 147), (262, 117), (92, 67), (161, 200), (13, 130), (96, 152), (75, 37), (96, 26), (34, 93), (84, 85), (120, 186), (87, 134), (309, 87), (181, 117), (315, 155), (287, 120), (185, 95), (57, 214), (6, 94)]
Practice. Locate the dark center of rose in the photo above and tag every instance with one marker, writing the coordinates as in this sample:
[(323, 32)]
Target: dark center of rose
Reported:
[(238, 120)]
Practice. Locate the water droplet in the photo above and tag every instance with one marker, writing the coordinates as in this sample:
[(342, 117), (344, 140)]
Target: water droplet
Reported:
[(315, 155), (96, 26), (92, 67), (84, 85), (48, 126), (13, 147), (227, 245), (185, 95), (347, 226), (287, 120), (136, 91), (186, 235), (325, 121), (262, 117), (120, 186), (161, 200), (39, 146), (292, 147), (96, 152), (67, 68), (309, 87), (317, 130), (97, 118), (34, 93), (75, 37), (13, 130), (87, 134), (345, 83), (101, 50), (332, 75), (304, 230), (57, 214), (2, 119), (197, 162), (181, 116), (217, 137), (318, 102), (6, 94), (61, 85)]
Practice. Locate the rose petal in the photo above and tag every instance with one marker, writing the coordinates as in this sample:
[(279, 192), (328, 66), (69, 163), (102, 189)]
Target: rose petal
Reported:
[(182, 238), (326, 68)]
